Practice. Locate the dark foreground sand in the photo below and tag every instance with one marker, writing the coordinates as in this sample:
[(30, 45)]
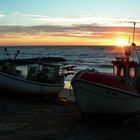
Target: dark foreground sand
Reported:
[(39, 119)]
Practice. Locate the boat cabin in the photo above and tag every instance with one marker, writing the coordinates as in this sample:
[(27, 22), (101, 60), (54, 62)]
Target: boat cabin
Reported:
[(127, 71), (46, 73)]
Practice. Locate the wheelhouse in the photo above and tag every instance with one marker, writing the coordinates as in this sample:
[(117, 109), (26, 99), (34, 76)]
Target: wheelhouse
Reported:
[(126, 70)]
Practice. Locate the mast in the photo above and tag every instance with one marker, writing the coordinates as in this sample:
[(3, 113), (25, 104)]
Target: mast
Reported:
[(133, 45), (134, 32)]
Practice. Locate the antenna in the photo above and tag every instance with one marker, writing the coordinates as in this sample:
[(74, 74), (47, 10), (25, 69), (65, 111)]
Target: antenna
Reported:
[(6, 52), (133, 45), (18, 51), (133, 39), (129, 40), (134, 32)]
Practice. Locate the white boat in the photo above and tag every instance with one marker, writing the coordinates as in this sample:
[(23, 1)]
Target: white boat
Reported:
[(110, 94), (38, 78), (36, 82)]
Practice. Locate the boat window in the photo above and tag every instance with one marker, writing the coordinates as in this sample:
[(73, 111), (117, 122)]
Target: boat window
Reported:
[(132, 72), (122, 72), (115, 70)]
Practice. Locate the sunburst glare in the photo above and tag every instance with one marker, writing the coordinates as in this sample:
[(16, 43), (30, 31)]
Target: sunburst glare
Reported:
[(121, 43)]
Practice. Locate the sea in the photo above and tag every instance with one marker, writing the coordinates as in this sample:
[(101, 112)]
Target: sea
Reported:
[(83, 57)]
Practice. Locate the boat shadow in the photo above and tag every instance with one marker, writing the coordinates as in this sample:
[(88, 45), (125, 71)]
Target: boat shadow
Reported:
[(29, 97)]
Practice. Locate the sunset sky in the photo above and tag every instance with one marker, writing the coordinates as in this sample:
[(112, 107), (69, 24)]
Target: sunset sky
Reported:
[(68, 22)]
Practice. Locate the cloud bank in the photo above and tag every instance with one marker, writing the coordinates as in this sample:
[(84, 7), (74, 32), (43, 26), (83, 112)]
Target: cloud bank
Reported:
[(73, 31), (39, 27)]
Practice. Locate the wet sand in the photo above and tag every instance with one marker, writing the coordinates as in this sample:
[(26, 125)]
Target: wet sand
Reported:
[(39, 119)]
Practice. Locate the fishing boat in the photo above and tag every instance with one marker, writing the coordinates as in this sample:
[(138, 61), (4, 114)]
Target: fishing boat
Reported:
[(37, 78), (116, 94), (40, 80)]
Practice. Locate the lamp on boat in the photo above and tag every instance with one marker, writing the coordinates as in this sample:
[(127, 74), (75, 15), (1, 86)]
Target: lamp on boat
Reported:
[(132, 72)]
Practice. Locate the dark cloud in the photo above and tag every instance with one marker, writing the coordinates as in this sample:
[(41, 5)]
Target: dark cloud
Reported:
[(75, 30), (18, 29)]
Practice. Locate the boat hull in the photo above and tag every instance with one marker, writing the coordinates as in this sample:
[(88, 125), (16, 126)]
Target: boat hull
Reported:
[(96, 98), (16, 85)]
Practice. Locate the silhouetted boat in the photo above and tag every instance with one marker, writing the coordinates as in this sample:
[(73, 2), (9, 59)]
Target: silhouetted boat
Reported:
[(41, 78), (110, 94)]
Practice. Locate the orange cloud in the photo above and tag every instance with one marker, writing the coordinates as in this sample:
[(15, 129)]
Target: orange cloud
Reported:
[(62, 35)]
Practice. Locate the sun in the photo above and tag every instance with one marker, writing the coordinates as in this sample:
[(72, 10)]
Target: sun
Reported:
[(121, 43)]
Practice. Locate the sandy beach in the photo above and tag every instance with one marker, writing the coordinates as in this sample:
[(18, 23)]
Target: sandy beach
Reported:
[(39, 119)]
